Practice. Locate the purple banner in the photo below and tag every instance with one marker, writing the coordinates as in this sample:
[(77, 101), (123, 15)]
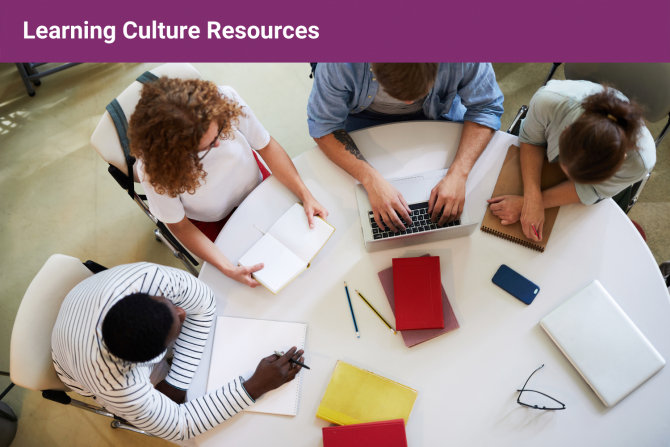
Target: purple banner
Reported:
[(337, 31)]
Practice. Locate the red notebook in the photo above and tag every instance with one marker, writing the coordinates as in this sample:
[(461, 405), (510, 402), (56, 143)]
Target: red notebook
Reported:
[(413, 338), (371, 434), (417, 287)]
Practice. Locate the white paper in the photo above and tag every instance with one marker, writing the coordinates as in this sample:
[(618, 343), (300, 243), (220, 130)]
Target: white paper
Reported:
[(241, 343), (281, 264), (292, 230)]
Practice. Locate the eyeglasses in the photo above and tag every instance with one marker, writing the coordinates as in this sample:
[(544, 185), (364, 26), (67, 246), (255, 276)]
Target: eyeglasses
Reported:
[(536, 407), (211, 146)]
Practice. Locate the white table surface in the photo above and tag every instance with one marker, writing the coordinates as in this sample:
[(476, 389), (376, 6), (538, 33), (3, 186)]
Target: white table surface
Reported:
[(466, 379)]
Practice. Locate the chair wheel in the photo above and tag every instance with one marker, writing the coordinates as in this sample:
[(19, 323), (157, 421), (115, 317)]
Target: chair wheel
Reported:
[(31, 94), (115, 424)]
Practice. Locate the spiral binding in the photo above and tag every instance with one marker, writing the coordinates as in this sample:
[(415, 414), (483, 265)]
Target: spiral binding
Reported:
[(516, 240), (299, 377)]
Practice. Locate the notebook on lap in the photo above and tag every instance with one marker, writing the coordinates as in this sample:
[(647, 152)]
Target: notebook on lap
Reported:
[(287, 248)]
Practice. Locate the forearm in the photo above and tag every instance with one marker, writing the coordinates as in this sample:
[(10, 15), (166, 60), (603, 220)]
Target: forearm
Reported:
[(157, 414), (562, 194), (283, 168), (531, 159), (200, 245), (341, 149), (474, 139)]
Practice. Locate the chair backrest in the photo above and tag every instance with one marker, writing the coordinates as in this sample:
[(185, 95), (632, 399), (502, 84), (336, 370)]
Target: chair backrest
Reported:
[(105, 140), (647, 84), (30, 364)]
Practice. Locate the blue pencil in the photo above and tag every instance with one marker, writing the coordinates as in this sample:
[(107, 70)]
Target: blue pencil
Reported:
[(353, 317)]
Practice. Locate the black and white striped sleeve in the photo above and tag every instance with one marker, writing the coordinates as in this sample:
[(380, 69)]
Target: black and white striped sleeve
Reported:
[(150, 410), (199, 303)]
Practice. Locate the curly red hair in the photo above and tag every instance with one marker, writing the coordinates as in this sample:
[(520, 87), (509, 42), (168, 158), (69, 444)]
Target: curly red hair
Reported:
[(166, 128)]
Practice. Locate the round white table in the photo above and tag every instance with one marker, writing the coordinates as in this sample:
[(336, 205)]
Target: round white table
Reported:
[(467, 379)]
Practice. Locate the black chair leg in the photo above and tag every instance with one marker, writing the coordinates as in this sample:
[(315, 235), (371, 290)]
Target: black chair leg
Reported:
[(32, 72), (24, 76)]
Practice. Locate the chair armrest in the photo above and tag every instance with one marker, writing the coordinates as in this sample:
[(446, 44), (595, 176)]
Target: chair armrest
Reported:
[(516, 122)]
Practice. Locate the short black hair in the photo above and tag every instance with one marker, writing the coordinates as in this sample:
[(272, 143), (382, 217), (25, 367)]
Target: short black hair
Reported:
[(136, 328)]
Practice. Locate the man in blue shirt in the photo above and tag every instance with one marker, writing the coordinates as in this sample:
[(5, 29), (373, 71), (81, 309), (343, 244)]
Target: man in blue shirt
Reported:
[(348, 97)]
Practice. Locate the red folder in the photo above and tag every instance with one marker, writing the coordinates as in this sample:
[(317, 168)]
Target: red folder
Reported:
[(418, 293), (371, 434)]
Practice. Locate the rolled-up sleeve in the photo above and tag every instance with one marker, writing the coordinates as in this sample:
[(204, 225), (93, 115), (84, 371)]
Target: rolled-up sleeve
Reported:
[(328, 105), (481, 96)]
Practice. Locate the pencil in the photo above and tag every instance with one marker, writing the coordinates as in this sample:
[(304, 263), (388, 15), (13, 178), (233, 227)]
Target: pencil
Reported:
[(351, 308), (375, 311), (281, 353), (536, 234)]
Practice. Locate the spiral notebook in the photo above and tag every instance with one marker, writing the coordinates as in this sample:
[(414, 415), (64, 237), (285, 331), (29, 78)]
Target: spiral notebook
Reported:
[(241, 343), (511, 182)]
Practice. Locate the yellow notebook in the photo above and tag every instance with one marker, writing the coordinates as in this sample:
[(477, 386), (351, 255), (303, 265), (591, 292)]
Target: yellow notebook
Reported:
[(355, 395)]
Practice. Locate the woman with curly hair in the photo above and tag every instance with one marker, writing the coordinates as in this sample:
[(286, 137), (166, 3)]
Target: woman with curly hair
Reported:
[(596, 134), (194, 144)]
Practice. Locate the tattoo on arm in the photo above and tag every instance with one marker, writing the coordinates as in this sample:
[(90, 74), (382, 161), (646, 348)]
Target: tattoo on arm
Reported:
[(343, 137)]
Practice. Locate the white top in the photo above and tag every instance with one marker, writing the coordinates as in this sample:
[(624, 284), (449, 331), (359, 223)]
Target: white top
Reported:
[(605, 346), (232, 173), (467, 379), (559, 104), (84, 363)]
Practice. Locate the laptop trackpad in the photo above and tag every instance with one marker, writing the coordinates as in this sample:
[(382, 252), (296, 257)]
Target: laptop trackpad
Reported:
[(413, 189)]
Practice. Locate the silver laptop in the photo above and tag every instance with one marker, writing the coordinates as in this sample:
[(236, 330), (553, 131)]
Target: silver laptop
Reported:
[(416, 191)]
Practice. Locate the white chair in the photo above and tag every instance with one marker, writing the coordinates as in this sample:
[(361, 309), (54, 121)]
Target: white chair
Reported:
[(106, 141), (647, 84), (30, 362)]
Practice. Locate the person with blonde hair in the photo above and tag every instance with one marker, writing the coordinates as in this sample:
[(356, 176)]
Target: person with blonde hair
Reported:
[(196, 147), (596, 134)]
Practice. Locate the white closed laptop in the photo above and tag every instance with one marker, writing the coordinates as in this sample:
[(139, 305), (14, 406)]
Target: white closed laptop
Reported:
[(602, 343), (416, 191)]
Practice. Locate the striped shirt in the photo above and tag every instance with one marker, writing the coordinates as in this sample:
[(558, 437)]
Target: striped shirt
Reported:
[(85, 365)]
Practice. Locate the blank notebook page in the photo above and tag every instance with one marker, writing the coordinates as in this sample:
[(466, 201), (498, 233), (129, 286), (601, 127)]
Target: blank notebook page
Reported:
[(281, 264), (241, 343), (292, 230)]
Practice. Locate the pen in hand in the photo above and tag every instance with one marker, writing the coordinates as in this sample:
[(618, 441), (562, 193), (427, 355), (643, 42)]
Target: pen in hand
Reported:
[(281, 353)]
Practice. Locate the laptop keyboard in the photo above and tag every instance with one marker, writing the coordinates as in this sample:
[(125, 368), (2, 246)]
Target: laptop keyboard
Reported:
[(420, 223)]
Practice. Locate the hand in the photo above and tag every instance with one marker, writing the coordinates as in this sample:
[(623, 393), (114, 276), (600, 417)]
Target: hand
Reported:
[(174, 394), (447, 198), (507, 208), (273, 372), (243, 274), (532, 213), (387, 203), (314, 208)]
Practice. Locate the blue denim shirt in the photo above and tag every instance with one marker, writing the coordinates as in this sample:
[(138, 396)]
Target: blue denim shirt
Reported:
[(462, 92)]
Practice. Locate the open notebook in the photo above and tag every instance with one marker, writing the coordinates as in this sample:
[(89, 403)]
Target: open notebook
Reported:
[(241, 343), (287, 248), (510, 181)]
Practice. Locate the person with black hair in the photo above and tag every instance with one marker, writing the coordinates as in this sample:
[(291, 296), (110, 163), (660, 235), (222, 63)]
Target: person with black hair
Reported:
[(111, 337), (596, 134)]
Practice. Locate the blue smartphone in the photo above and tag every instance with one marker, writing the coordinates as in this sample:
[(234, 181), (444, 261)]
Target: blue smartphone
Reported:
[(515, 284)]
